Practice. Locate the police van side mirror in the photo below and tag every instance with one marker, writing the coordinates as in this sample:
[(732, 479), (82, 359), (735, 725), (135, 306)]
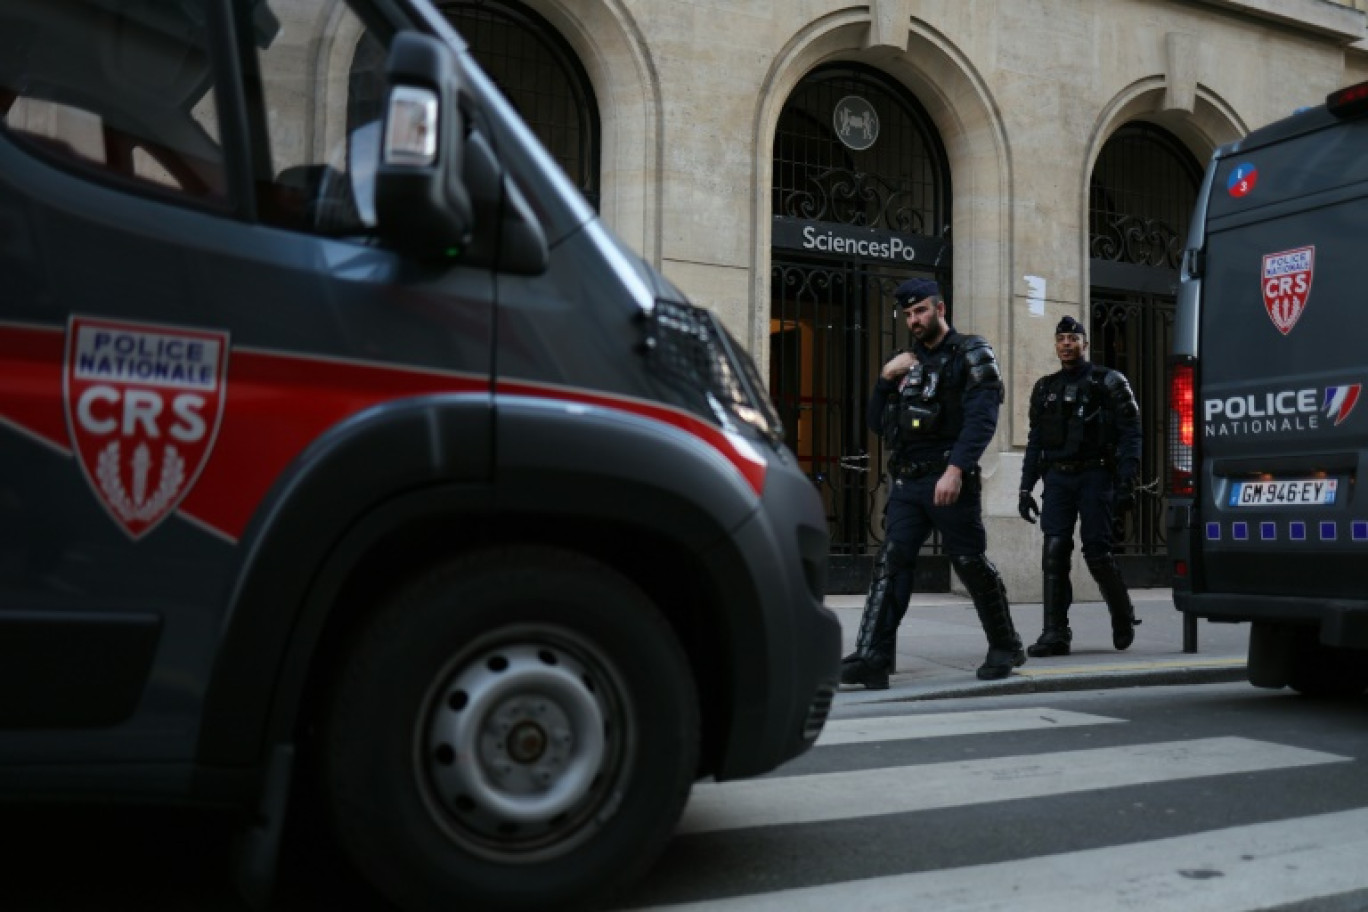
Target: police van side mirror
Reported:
[(509, 238), (421, 203)]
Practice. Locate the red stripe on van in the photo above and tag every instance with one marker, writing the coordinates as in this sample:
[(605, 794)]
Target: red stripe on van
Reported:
[(32, 381), (749, 464), (276, 404)]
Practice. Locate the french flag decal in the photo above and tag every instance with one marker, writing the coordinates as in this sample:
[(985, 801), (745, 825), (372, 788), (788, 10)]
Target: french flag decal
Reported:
[(1340, 401)]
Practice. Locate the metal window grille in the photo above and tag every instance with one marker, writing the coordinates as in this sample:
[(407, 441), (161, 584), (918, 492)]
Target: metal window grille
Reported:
[(1141, 196), (899, 183), (541, 77)]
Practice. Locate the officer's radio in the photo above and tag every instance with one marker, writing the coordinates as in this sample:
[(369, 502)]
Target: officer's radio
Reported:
[(918, 412)]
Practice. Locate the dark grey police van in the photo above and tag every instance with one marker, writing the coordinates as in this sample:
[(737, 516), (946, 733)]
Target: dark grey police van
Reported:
[(1268, 434), (348, 462)]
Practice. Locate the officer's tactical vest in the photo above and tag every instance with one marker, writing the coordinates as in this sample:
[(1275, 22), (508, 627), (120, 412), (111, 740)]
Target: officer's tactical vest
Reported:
[(1075, 415), (929, 406)]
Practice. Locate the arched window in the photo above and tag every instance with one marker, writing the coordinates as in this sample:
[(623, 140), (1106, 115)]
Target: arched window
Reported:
[(1140, 199), (542, 78), (1141, 195), (873, 162)]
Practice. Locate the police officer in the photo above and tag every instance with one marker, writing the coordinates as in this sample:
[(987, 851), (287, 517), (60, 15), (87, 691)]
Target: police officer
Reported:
[(936, 405), (1085, 442)]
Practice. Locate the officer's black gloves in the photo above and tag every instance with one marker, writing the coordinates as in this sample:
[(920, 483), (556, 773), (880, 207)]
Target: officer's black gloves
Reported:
[(1125, 494), (1027, 507)]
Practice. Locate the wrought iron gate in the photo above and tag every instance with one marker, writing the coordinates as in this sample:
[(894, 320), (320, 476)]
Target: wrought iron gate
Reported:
[(1142, 192), (860, 203), (826, 344), (1133, 333)]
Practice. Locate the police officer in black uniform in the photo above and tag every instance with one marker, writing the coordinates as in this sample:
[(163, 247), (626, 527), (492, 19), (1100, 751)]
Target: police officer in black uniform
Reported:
[(1085, 442), (936, 405)]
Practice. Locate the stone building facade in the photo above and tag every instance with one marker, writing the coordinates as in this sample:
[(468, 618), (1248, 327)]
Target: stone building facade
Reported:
[(788, 162)]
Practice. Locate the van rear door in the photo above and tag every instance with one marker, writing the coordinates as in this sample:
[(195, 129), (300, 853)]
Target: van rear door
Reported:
[(1283, 364)]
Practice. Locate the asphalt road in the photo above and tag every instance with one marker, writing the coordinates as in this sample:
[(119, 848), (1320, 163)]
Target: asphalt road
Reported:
[(1215, 796)]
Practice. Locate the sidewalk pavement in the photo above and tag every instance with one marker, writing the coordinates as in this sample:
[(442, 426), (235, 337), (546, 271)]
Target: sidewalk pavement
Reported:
[(940, 644)]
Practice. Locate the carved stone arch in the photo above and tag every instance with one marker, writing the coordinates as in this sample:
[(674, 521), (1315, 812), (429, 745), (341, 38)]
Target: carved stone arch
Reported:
[(1210, 123), (610, 46), (821, 315), (963, 112)]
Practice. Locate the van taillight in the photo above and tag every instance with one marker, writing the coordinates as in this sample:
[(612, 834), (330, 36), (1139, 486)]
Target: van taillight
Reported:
[(1180, 429), (1348, 101)]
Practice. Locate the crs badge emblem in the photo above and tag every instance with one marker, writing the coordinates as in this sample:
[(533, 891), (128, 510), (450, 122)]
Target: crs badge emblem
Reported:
[(1287, 285), (143, 407)]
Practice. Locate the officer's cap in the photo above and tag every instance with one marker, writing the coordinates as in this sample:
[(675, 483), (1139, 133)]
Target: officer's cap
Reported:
[(1070, 325), (913, 290)]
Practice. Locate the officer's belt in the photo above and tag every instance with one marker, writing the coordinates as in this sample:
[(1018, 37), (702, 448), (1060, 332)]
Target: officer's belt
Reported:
[(1073, 467), (918, 469)]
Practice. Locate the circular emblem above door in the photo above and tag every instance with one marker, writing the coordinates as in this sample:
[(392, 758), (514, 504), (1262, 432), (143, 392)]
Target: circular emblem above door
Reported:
[(855, 122)]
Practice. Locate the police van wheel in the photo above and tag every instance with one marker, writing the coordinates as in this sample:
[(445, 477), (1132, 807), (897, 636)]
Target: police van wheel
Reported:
[(517, 730), (1327, 672)]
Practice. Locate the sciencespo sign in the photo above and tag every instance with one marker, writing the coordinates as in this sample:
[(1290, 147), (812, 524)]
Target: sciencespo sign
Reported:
[(852, 242)]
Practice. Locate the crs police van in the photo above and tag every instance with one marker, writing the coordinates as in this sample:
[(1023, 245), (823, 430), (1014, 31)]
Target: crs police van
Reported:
[(1268, 436), (346, 455)]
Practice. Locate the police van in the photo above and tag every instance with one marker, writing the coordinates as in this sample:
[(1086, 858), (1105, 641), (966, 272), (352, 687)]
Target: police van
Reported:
[(349, 462), (1268, 435)]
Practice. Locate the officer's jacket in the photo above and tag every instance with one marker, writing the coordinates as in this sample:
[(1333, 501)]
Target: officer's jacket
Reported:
[(946, 408), (1082, 414)]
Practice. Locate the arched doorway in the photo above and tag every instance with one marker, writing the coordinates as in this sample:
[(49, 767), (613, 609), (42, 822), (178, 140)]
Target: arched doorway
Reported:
[(1141, 196), (540, 75), (860, 201)]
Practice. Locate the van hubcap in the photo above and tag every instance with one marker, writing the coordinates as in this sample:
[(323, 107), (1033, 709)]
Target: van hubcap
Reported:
[(521, 746)]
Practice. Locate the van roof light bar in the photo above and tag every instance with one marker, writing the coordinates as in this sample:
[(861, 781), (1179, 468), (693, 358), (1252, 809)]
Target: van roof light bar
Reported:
[(1348, 101)]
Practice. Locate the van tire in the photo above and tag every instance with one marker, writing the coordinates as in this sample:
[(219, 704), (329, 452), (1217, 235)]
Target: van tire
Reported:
[(518, 729), (1271, 654), (1327, 672)]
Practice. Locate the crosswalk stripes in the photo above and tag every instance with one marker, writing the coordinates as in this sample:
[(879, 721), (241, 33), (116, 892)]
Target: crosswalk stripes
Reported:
[(1248, 867), (943, 725), (1251, 867), (836, 796)]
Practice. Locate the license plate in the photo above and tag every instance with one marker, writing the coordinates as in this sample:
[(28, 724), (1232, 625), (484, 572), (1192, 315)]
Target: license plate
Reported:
[(1285, 492)]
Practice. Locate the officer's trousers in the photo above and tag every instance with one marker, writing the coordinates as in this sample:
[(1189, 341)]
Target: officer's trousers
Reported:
[(1085, 498), (909, 519)]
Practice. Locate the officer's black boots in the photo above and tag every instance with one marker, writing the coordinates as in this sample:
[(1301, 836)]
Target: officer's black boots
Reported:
[(1056, 636), (1113, 588), (876, 642), (1054, 563), (985, 587)]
